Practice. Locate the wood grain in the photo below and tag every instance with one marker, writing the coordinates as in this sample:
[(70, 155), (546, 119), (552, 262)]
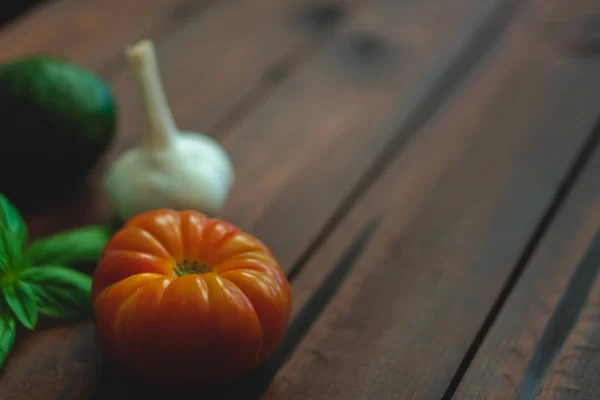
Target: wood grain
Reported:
[(545, 342), (572, 335), (298, 155), (303, 153), (523, 344), (456, 210)]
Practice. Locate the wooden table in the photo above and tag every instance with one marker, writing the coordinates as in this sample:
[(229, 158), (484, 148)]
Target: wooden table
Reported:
[(426, 171)]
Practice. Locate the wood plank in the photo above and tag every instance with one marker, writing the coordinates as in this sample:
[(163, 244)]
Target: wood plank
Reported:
[(312, 142), (544, 340), (520, 349), (565, 362), (370, 77), (456, 210), (544, 343)]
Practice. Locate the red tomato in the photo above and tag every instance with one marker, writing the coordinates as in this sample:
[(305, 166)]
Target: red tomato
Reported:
[(180, 297)]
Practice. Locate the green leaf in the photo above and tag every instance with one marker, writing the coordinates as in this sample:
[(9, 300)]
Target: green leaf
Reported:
[(70, 247), (11, 253), (11, 220), (59, 291), (8, 331), (13, 236), (4, 261), (20, 298)]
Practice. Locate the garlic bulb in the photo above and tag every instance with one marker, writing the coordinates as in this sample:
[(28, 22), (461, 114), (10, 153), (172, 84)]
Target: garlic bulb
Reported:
[(170, 169)]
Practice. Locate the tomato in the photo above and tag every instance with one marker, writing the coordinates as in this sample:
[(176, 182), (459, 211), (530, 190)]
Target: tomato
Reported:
[(180, 297)]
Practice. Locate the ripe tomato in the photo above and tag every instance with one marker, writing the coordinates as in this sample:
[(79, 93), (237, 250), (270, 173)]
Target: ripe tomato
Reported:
[(180, 297)]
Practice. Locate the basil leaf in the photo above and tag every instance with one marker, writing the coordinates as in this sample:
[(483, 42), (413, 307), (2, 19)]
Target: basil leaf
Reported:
[(11, 254), (59, 291), (60, 303), (11, 221), (70, 247), (13, 236), (8, 331), (20, 298), (4, 261)]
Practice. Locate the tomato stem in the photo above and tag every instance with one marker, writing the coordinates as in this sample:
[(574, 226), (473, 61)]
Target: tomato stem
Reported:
[(187, 267)]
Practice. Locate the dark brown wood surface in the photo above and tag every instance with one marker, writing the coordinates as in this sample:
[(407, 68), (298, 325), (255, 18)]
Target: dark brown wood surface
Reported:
[(533, 349), (456, 210), (406, 153), (543, 341), (572, 361)]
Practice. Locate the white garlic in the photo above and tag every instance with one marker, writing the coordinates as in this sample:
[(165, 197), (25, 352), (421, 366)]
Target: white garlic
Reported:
[(170, 169)]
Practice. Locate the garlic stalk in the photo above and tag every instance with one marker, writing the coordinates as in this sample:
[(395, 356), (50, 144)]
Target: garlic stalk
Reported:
[(169, 169)]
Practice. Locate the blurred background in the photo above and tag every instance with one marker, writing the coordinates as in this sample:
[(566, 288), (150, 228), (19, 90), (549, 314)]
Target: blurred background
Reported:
[(13, 9)]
